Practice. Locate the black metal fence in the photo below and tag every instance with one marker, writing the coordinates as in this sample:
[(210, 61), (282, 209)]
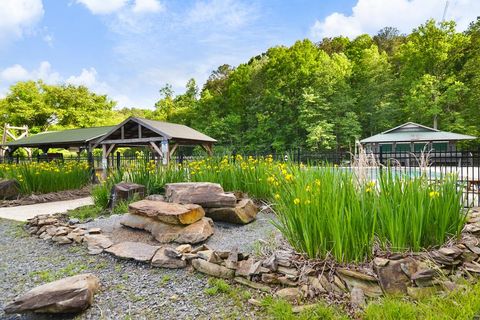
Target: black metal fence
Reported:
[(464, 164)]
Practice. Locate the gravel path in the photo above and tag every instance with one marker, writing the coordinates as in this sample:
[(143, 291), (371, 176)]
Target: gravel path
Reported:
[(129, 290)]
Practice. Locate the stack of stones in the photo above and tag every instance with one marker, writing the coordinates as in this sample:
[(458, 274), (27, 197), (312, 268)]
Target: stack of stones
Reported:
[(58, 228), (218, 204), (169, 222)]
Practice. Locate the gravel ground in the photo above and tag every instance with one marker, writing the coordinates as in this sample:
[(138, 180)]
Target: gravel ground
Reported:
[(129, 290), (226, 235)]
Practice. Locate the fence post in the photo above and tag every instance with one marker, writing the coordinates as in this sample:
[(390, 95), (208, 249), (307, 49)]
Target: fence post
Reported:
[(118, 160), (91, 164)]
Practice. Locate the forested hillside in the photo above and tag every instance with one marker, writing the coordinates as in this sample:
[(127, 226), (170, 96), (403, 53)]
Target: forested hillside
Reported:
[(311, 95)]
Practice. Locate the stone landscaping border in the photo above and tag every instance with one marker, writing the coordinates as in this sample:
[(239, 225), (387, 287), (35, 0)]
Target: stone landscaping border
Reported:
[(291, 275)]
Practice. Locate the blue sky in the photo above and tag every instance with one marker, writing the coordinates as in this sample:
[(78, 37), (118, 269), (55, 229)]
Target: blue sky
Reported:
[(129, 49)]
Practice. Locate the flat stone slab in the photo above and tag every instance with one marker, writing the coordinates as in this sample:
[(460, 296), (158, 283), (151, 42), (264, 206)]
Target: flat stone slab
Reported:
[(165, 233), (137, 251), (172, 213), (68, 295), (206, 194), (244, 212)]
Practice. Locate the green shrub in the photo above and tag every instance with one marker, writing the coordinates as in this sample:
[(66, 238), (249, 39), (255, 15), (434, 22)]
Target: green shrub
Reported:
[(101, 195)]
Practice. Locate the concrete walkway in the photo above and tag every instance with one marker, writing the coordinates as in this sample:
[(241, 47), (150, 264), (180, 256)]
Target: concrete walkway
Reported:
[(22, 213)]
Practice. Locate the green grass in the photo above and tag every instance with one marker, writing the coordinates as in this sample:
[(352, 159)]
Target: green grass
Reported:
[(217, 286), (86, 212), (461, 304), (278, 309)]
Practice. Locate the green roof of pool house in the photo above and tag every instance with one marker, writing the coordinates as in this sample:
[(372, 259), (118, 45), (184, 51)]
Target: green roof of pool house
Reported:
[(412, 136)]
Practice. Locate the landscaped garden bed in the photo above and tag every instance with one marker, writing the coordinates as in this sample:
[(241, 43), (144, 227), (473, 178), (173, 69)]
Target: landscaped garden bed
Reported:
[(345, 239)]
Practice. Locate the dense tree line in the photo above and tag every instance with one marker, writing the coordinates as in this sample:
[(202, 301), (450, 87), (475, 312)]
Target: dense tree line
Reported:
[(318, 96)]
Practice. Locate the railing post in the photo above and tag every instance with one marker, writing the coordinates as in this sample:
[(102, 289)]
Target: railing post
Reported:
[(118, 160)]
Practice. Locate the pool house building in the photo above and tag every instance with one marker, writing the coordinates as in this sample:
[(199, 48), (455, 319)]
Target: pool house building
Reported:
[(413, 138)]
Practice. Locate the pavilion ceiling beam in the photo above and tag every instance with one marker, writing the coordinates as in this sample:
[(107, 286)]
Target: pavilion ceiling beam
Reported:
[(134, 140)]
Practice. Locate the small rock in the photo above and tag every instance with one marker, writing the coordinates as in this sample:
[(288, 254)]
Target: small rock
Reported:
[(380, 262), (184, 248), (357, 297), (251, 284), (94, 231), (73, 221), (61, 240), (212, 269), (164, 260), (289, 294), (155, 197)]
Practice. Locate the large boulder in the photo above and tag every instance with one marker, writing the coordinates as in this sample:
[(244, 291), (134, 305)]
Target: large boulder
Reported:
[(172, 213), (137, 251), (206, 194), (68, 295), (164, 233), (245, 211), (9, 189)]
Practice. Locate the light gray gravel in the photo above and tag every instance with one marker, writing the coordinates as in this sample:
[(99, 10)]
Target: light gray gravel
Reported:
[(129, 290), (226, 236)]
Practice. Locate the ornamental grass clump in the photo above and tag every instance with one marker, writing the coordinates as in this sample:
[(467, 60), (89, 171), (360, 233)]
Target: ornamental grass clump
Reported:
[(321, 212), (326, 212), (44, 177), (416, 213)]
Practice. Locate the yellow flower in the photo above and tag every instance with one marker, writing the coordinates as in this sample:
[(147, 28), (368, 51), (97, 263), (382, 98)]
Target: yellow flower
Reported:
[(289, 177), (271, 179), (317, 182), (368, 190), (296, 201), (308, 188), (434, 194), (277, 196), (371, 184), (307, 202)]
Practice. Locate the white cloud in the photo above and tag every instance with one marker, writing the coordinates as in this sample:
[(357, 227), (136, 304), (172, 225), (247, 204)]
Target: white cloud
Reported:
[(19, 73), (85, 78), (229, 13), (143, 6), (18, 17), (14, 73), (369, 16), (103, 6)]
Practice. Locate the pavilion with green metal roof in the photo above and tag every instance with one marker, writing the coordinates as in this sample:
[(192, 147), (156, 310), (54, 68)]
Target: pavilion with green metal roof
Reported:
[(413, 137), (163, 138)]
